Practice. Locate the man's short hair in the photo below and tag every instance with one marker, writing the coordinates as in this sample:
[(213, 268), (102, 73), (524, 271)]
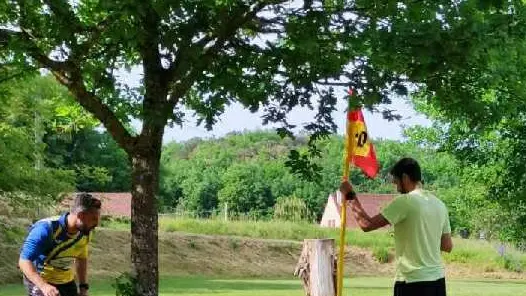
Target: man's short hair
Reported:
[(85, 202), (408, 166)]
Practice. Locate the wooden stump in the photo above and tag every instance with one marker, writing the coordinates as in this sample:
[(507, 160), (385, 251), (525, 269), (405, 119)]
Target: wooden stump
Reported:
[(316, 267)]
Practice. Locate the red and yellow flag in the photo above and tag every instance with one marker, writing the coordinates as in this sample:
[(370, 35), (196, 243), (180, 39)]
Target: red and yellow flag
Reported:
[(359, 149)]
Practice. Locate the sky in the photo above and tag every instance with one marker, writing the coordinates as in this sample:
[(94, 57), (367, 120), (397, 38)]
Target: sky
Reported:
[(237, 119)]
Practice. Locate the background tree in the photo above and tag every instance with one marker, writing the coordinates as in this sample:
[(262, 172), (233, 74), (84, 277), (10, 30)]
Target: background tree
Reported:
[(248, 171), (99, 163), (29, 108)]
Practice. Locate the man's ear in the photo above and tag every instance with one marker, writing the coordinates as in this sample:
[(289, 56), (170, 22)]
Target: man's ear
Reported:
[(81, 215), (405, 179)]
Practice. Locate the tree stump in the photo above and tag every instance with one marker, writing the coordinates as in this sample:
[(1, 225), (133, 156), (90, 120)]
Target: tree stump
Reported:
[(316, 267)]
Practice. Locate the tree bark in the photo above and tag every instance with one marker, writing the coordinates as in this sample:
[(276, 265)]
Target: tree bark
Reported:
[(144, 223), (316, 267)]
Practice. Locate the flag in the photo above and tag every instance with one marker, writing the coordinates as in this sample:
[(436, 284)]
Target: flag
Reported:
[(359, 149)]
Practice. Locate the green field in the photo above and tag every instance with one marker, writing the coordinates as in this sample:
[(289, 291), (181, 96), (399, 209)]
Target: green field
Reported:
[(354, 286)]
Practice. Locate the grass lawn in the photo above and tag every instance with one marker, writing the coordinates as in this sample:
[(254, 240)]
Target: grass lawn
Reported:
[(354, 286)]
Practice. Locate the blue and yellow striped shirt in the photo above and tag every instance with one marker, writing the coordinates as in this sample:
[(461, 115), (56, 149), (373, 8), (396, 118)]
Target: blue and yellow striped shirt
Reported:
[(53, 251)]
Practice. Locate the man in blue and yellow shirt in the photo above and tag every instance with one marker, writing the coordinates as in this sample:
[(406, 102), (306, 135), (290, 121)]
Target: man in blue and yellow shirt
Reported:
[(54, 244)]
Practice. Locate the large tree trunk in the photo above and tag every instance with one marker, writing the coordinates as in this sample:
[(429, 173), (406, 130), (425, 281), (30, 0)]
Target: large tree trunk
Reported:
[(144, 223), (145, 159)]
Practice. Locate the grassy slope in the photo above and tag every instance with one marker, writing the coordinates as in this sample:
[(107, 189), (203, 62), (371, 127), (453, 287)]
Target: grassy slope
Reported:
[(470, 253), (184, 254), (250, 249)]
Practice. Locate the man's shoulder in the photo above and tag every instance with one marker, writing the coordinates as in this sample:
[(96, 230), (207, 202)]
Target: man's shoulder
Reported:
[(437, 202), (399, 196), (426, 193), (44, 225), (434, 196)]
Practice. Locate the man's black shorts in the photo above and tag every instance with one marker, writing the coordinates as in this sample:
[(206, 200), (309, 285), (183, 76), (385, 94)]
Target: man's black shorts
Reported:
[(68, 289), (433, 288)]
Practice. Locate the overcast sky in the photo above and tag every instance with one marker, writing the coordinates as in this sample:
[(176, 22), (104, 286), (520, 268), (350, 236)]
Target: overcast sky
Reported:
[(238, 119)]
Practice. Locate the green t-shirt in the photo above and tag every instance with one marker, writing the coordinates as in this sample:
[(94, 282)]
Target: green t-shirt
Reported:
[(419, 220)]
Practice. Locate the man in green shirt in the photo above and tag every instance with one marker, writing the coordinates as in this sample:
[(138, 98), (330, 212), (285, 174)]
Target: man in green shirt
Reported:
[(421, 231)]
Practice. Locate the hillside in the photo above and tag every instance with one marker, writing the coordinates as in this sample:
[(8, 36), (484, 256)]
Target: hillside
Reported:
[(234, 256), (184, 254), (249, 172)]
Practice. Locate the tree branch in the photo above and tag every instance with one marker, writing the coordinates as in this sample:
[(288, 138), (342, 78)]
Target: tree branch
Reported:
[(62, 10), (149, 50), (24, 38), (69, 74), (101, 111), (226, 32), (156, 112)]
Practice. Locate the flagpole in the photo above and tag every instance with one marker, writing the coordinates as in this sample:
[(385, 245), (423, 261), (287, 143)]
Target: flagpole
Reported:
[(347, 165), (343, 225), (342, 246), (359, 152)]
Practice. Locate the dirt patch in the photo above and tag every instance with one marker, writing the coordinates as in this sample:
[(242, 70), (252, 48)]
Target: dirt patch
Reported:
[(465, 271)]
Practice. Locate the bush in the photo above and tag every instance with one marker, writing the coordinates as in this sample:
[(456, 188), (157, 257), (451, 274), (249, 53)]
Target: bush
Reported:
[(513, 263), (381, 254), (292, 209), (125, 285)]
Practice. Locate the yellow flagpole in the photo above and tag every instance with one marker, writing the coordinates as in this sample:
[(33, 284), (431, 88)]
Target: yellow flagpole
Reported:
[(347, 165), (342, 248)]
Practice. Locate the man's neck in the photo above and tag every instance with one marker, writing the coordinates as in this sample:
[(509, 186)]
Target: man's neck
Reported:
[(415, 187), (410, 188), (72, 224)]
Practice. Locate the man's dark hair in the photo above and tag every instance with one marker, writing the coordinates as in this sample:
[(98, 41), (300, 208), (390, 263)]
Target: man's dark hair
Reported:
[(85, 202), (408, 166)]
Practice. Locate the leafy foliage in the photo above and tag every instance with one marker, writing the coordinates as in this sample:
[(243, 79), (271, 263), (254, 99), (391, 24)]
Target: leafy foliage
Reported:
[(248, 171), (57, 140), (492, 174), (27, 109), (99, 163)]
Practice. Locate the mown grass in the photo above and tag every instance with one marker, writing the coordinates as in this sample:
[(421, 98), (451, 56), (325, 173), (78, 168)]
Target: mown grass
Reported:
[(370, 286)]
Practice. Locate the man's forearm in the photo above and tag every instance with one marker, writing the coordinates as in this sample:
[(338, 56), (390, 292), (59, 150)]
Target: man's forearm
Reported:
[(362, 218), (29, 271), (82, 270)]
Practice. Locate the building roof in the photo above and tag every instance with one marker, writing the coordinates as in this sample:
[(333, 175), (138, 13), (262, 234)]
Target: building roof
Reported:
[(116, 204)]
